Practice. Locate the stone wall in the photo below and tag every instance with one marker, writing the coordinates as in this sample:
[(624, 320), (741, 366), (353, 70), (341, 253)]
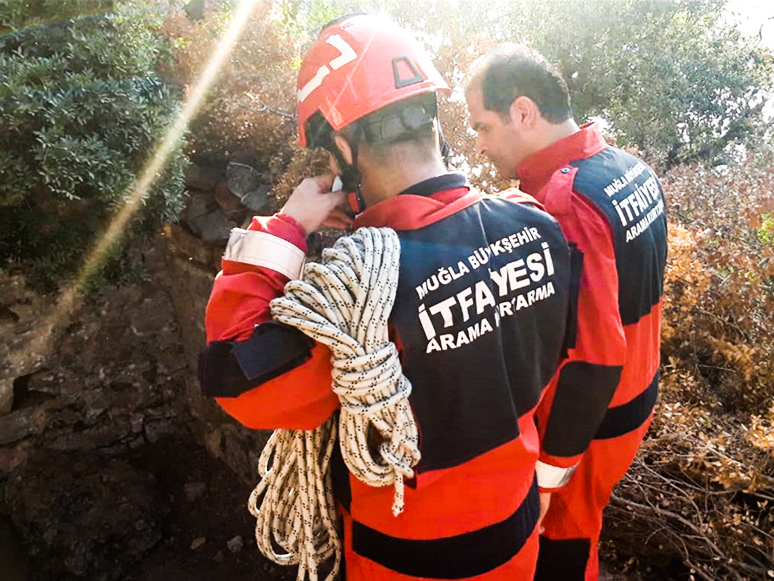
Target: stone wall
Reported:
[(219, 199), (117, 374), (106, 384)]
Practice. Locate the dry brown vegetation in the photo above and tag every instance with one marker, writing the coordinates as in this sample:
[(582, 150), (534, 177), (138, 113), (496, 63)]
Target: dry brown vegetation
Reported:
[(702, 487)]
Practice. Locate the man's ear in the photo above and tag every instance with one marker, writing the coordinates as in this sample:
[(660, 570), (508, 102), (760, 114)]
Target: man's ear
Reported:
[(343, 147), (524, 111)]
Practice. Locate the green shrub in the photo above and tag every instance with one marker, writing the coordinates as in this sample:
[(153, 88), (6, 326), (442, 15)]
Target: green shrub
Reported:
[(81, 107)]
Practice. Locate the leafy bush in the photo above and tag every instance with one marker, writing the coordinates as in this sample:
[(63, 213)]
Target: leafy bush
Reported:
[(81, 107), (677, 80)]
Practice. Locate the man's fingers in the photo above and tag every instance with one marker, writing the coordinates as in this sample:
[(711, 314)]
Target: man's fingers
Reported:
[(335, 199), (324, 181), (338, 219), (341, 216), (312, 201)]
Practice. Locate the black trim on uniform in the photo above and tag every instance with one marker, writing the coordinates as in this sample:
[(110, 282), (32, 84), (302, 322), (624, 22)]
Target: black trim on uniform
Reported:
[(440, 183), (457, 557), (625, 418), (576, 270), (583, 392), (230, 368), (562, 559)]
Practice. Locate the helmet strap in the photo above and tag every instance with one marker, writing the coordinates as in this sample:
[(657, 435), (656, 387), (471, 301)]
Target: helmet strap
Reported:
[(350, 176), (444, 145)]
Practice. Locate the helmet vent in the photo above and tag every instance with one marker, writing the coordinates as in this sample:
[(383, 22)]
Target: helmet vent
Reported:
[(405, 72)]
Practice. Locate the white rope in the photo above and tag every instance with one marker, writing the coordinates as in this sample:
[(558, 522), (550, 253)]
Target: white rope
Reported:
[(343, 302), (298, 510)]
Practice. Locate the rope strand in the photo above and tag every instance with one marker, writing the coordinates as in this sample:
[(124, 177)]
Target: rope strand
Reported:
[(343, 302)]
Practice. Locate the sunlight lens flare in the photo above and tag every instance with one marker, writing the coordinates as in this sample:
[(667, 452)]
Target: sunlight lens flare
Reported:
[(150, 172)]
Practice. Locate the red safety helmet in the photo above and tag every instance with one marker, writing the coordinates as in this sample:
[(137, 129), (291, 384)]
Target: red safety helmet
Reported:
[(358, 65)]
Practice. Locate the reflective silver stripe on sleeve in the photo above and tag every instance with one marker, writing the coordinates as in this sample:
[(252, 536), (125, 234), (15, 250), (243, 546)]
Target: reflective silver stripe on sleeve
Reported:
[(266, 250), (552, 476)]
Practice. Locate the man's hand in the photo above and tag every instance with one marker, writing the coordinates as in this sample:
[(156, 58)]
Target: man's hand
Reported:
[(312, 201), (338, 218), (545, 502)]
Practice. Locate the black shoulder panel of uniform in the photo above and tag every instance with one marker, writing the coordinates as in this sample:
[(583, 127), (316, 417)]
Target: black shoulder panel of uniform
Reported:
[(627, 192), (230, 368), (480, 311)]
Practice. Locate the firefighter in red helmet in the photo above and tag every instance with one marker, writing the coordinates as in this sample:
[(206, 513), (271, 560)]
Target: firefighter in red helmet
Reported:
[(353, 70), (478, 318)]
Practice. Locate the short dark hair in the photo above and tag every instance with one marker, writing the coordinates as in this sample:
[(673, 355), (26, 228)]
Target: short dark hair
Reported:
[(510, 71)]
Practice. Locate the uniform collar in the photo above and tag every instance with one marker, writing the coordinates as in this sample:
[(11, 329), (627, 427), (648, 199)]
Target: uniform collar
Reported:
[(420, 204), (537, 169), (436, 184)]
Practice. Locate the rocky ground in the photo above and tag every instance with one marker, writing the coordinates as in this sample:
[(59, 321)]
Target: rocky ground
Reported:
[(112, 465), (208, 534)]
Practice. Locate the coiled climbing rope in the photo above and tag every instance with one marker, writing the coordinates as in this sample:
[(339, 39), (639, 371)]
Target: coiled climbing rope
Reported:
[(343, 302)]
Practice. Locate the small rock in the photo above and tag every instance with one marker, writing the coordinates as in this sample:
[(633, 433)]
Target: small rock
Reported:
[(156, 430), (98, 437), (11, 457), (199, 205), (136, 423), (213, 227), (202, 177), (236, 544), (218, 558), (194, 9), (93, 414), (8, 317), (241, 178), (226, 200), (18, 425), (257, 199), (6, 395), (44, 383), (194, 490), (198, 542)]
